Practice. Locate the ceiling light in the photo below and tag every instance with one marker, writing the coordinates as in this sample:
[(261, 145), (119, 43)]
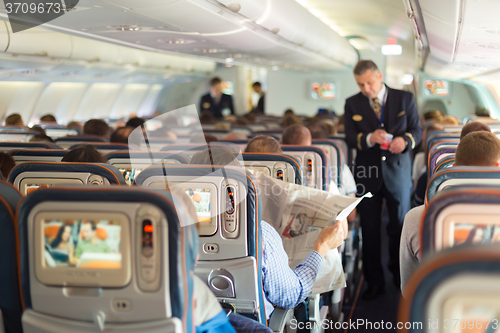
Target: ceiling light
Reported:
[(391, 50), (275, 68), (229, 60)]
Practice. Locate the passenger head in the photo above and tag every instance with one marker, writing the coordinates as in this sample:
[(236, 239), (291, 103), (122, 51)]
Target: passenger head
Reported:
[(89, 230), (482, 112), (215, 156), (235, 136), (76, 125), (96, 127), (340, 124), (250, 116), (121, 134), (288, 112), (257, 87), (216, 86), (263, 144), (433, 115), (368, 78), (48, 119), (63, 235), (135, 122), (207, 117), (318, 131), (296, 135), (478, 149), (41, 138), (241, 121), (84, 154), (290, 120), (449, 120), (7, 163), (14, 119), (474, 126), (203, 137)]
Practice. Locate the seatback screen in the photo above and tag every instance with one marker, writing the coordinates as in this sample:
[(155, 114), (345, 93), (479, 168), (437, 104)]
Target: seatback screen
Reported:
[(94, 244), (130, 174), (201, 200)]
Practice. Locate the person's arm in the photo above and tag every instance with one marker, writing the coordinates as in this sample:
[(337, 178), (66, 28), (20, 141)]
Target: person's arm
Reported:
[(283, 286), (413, 134), (359, 140)]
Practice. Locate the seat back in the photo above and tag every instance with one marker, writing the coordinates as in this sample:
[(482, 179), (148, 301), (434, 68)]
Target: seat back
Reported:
[(335, 156), (67, 141), (457, 288), (461, 216), (105, 148), (138, 279), (445, 163), (10, 297), (131, 163), (462, 175), (29, 176), (8, 146), (314, 163), (279, 166), (229, 210), (58, 131), (17, 136), (434, 157), (191, 149), (38, 155)]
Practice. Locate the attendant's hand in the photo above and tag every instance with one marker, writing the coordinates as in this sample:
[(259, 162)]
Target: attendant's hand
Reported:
[(378, 136), (329, 238), (397, 145)]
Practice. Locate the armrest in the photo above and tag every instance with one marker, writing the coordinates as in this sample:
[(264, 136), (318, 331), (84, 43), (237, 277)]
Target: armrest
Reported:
[(279, 319)]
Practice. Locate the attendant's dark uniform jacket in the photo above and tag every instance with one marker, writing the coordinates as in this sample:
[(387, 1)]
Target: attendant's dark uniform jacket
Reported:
[(400, 118), (207, 103)]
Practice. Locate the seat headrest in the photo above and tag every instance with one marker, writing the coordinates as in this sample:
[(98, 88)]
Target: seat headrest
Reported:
[(471, 273), (457, 173), (293, 161), (104, 170), (456, 195), (182, 235), (156, 156)]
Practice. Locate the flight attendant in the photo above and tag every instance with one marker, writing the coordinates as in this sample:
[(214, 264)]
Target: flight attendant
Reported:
[(382, 124), (216, 102)]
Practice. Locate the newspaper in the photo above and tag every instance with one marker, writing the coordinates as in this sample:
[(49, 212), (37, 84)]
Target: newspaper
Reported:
[(299, 213)]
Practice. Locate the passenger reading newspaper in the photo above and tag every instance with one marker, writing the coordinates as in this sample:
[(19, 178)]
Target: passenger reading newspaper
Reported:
[(303, 212)]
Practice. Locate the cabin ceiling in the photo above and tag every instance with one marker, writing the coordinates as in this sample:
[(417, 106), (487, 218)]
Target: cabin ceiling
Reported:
[(258, 33)]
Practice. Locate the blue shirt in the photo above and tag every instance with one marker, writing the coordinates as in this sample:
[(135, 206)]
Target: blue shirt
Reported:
[(283, 286)]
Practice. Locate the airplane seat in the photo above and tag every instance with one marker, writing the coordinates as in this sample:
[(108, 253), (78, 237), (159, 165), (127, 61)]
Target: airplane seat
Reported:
[(230, 255), (131, 163), (280, 166), (314, 163), (457, 290), (336, 158), (67, 141), (17, 136), (58, 131), (38, 155), (445, 163), (105, 148), (460, 215), (193, 148), (8, 146), (11, 307), (240, 143), (140, 283), (29, 176), (434, 157), (461, 175), (155, 144)]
